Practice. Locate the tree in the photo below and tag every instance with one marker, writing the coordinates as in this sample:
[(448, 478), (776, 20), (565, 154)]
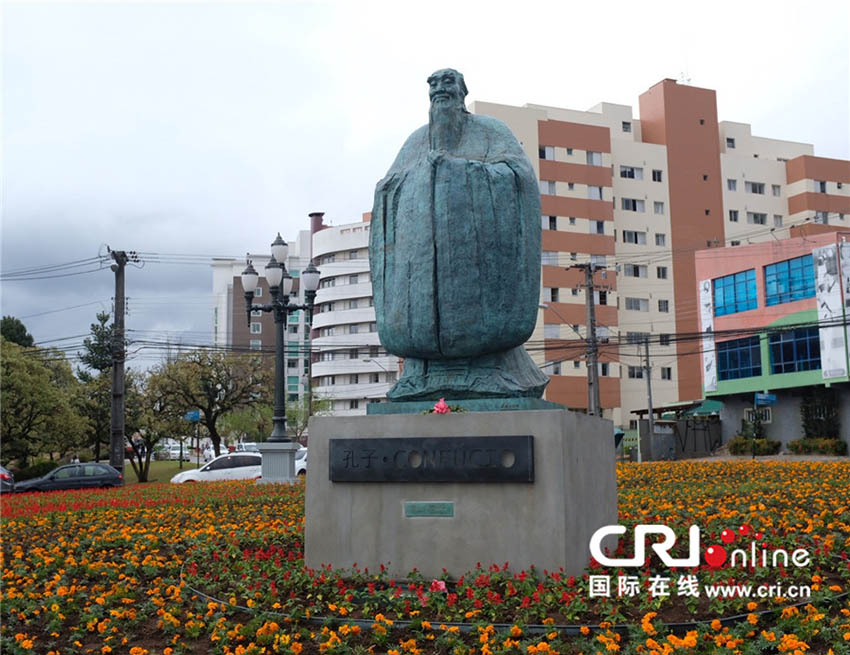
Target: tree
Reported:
[(38, 398), (216, 384), (98, 347), (13, 330), (253, 423), (298, 413), (159, 416)]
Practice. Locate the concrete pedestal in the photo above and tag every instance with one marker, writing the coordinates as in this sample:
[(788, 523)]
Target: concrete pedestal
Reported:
[(278, 462), (547, 522)]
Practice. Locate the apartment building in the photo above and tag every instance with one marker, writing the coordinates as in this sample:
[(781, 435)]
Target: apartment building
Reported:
[(349, 365), (637, 198), (774, 321), (231, 327)]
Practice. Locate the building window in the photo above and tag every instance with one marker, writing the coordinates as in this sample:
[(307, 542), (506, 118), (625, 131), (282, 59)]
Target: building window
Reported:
[(598, 260), (373, 327), (661, 272), (735, 293), (820, 186), (325, 284), (353, 279), (354, 378), (554, 294), (632, 204), (576, 364), (630, 236), (353, 329), (627, 126), (256, 312), (553, 222), (657, 175), (572, 220), (555, 367), (597, 227), (601, 297), (822, 217), (604, 369), (793, 279), (551, 331), (794, 351), (353, 353), (658, 207), (732, 185), (631, 172), (374, 378), (777, 220), (549, 258), (637, 304), (666, 373), (547, 152), (660, 239), (756, 218), (594, 158), (733, 215), (636, 338), (734, 243), (663, 339), (635, 372), (569, 151), (739, 358), (573, 256), (664, 306), (354, 403), (547, 187), (256, 344), (634, 270), (594, 192), (256, 328), (754, 187), (730, 142), (570, 186), (292, 329), (258, 292), (776, 190), (574, 291), (291, 363)]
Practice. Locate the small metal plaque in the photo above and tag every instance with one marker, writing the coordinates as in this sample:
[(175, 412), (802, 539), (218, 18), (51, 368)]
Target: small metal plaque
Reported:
[(432, 459), (422, 509)]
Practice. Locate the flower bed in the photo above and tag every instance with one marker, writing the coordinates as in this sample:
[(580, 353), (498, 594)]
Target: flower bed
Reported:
[(218, 568)]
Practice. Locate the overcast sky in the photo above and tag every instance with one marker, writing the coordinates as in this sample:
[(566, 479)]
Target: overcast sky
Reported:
[(206, 128)]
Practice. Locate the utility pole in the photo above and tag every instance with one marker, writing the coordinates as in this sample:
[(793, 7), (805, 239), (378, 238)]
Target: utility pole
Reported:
[(648, 370), (116, 442), (594, 404)]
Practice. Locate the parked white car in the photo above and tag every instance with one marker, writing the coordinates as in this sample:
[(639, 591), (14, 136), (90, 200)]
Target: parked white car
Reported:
[(230, 466), (174, 452), (301, 461)]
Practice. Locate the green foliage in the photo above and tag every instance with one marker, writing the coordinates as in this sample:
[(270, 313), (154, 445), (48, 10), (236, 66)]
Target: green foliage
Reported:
[(36, 470), (819, 413), (249, 424), (98, 347), (298, 413), (39, 399), (216, 384), (825, 446), (742, 445), (13, 330)]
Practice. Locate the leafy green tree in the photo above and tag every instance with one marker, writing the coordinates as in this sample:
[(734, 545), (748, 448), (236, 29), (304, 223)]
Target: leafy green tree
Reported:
[(158, 415), (98, 347), (216, 384), (298, 413), (252, 424), (13, 330), (38, 404)]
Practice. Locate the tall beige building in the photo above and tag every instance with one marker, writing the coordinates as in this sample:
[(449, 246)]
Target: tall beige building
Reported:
[(638, 197)]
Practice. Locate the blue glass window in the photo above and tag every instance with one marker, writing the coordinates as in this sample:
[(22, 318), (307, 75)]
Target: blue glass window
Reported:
[(739, 358), (790, 280), (794, 351), (735, 293)]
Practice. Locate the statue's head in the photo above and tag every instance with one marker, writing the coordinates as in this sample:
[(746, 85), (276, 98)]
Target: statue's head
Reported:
[(447, 88)]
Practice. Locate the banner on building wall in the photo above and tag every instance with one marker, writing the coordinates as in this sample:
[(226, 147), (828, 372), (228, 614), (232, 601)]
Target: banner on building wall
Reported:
[(709, 360), (844, 264), (830, 312)]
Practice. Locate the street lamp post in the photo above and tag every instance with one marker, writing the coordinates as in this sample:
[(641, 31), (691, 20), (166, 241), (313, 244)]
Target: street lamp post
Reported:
[(279, 451)]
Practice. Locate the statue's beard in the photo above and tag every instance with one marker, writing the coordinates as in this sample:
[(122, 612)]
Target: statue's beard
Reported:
[(445, 124)]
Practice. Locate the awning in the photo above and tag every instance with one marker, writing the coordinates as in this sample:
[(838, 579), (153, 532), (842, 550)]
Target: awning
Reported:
[(688, 408), (706, 408)]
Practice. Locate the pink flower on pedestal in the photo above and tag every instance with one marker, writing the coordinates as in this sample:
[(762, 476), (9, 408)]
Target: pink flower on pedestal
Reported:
[(441, 407)]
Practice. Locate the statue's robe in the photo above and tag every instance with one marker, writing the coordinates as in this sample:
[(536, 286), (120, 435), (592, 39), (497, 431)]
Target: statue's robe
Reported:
[(455, 252)]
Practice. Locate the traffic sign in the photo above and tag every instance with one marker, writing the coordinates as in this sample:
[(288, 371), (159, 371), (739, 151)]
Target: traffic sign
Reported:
[(764, 399), (194, 415)]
